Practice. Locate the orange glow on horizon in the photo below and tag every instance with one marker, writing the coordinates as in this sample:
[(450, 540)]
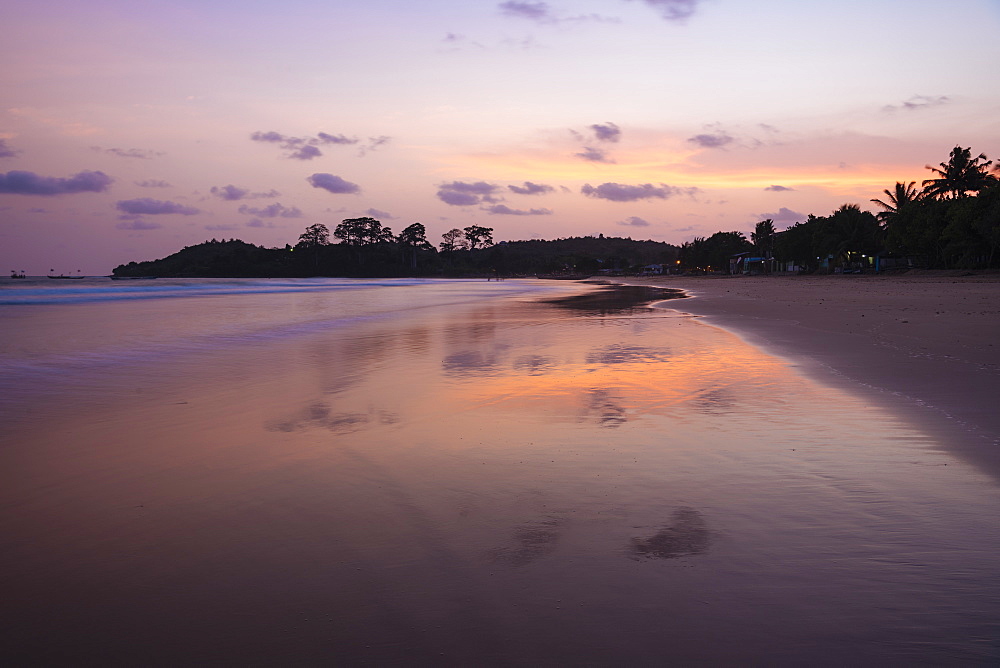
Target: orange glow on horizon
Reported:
[(676, 170)]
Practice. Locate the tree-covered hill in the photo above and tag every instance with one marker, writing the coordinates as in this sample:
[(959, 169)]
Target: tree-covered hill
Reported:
[(365, 250), (215, 259)]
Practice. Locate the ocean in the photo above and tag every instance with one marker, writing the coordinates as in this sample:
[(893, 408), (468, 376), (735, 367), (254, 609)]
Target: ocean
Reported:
[(412, 472)]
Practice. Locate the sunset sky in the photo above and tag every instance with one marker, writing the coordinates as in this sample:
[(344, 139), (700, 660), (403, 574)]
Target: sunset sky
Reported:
[(131, 129)]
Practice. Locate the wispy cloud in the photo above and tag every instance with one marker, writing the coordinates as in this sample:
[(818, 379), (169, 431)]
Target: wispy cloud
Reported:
[(715, 140), (536, 11), (917, 103), (257, 222), (229, 193), (530, 188), (676, 11), (153, 183), (606, 132), (276, 210), (459, 193), (305, 152), (336, 139), (136, 153), (28, 183), (375, 143), (634, 221), (504, 210), (784, 215), (778, 189), (377, 213), (307, 148), (232, 193), (541, 12), (7, 151), (457, 42), (138, 225), (618, 192), (149, 206), (334, 184), (591, 154)]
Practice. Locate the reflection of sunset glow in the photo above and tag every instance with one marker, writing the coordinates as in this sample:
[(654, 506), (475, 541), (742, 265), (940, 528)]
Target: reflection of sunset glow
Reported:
[(650, 385), (403, 486)]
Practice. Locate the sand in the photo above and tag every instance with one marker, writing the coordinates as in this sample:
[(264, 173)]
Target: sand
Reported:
[(927, 344), (437, 475)]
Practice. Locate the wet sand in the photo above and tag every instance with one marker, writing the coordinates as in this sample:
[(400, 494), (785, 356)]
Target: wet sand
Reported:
[(928, 344), (490, 482)]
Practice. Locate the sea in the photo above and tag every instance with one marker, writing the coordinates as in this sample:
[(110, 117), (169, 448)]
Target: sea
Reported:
[(398, 472)]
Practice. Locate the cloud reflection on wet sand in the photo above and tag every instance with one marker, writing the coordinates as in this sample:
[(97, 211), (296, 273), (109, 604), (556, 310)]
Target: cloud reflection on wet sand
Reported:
[(686, 535)]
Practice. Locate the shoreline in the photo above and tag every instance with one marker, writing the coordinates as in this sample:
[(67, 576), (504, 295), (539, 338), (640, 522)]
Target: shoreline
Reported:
[(926, 346)]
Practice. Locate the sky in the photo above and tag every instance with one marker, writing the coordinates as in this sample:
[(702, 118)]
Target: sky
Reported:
[(129, 130)]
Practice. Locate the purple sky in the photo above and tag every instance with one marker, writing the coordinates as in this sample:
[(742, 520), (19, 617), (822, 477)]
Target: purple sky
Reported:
[(128, 131)]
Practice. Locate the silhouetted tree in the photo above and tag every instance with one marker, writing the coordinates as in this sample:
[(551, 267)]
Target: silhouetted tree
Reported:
[(412, 239), (478, 237), (798, 243), (959, 176), (972, 235), (848, 231), (714, 252), (454, 240), (904, 195), (312, 242), (763, 240), (315, 235), (362, 232)]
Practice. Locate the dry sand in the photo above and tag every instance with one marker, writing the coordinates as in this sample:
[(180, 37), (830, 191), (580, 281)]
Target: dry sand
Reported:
[(928, 344)]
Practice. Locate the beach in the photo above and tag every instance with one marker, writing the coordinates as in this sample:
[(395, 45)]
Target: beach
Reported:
[(926, 343), (393, 472)]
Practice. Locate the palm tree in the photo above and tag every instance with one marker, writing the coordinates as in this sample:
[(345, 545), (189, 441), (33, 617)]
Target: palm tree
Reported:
[(763, 236), (851, 231), (905, 193), (959, 176)]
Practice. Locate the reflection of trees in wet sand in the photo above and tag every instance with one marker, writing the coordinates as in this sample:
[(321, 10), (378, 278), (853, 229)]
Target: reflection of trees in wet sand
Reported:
[(533, 365), (469, 363), (605, 408), (714, 402), (320, 416), (687, 535), (619, 354), (531, 541)]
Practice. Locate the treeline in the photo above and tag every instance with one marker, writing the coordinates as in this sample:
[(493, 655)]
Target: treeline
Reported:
[(366, 248), (951, 222)]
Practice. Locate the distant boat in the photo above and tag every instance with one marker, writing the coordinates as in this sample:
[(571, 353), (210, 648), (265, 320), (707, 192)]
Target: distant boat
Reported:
[(65, 277), (17, 274)]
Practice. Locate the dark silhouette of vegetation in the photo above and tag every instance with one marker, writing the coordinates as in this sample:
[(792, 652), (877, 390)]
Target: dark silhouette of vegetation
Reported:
[(953, 222), (315, 235), (411, 240), (904, 195), (454, 240), (713, 253), (368, 249), (478, 237), (961, 175)]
